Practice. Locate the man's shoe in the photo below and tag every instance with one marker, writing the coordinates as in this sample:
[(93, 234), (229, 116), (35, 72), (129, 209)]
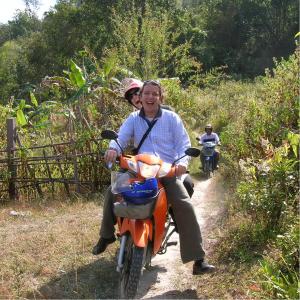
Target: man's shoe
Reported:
[(102, 245), (200, 267)]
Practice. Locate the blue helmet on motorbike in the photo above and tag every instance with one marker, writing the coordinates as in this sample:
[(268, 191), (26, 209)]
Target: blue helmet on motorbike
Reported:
[(142, 192)]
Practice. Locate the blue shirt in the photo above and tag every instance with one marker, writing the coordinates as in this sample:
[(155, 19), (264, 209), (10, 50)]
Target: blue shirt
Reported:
[(213, 137), (168, 139)]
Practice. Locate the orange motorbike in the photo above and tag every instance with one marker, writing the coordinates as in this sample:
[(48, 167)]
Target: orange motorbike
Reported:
[(144, 218)]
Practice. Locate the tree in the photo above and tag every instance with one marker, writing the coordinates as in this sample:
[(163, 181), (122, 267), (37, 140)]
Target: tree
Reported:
[(246, 35), (9, 58), (149, 43), (23, 24)]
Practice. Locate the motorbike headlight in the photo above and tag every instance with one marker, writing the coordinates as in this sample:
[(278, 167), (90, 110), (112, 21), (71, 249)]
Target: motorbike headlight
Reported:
[(148, 171)]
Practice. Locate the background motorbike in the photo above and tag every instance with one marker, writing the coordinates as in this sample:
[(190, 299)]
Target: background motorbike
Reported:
[(208, 151), (208, 158)]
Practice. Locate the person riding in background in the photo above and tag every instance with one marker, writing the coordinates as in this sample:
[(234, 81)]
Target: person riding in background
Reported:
[(167, 139), (210, 136), (131, 94)]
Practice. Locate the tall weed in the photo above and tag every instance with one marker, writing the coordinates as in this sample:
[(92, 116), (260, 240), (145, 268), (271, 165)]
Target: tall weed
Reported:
[(258, 124), (280, 267)]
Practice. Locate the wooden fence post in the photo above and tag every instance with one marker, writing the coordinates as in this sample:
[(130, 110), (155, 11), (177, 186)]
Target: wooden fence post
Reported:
[(11, 144)]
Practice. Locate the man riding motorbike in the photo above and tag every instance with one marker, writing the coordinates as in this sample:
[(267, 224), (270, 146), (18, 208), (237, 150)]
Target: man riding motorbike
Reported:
[(210, 136), (168, 139), (131, 94)]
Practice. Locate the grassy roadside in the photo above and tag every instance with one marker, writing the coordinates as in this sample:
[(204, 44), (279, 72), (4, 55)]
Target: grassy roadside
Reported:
[(46, 253)]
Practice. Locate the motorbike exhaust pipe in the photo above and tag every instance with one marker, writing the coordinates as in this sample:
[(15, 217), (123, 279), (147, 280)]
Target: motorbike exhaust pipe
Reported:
[(121, 253)]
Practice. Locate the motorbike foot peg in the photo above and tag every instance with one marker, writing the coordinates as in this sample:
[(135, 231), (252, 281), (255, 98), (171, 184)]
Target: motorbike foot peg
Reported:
[(172, 244)]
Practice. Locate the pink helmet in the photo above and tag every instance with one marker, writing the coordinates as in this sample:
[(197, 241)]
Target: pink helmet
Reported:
[(134, 86)]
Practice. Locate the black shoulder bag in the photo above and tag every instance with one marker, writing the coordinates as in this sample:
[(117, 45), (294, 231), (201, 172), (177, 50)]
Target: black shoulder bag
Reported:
[(135, 151)]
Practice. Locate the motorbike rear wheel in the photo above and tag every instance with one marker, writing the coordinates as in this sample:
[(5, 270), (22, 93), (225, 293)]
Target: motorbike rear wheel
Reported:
[(131, 271)]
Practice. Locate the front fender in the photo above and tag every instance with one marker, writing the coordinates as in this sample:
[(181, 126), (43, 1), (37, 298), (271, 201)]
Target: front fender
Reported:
[(140, 231)]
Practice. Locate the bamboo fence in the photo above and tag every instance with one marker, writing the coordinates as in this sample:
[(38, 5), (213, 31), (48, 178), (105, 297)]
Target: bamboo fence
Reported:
[(49, 168)]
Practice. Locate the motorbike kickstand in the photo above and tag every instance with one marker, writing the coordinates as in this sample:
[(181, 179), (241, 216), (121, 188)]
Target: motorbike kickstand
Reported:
[(163, 248)]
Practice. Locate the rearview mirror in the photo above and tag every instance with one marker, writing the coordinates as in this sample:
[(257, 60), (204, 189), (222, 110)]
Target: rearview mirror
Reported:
[(194, 152), (109, 135)]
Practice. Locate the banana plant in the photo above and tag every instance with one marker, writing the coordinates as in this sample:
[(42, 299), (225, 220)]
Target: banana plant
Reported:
[(34, 114)]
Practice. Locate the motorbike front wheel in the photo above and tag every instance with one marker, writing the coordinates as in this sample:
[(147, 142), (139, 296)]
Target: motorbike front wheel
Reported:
[(131, 271), (207, 168)]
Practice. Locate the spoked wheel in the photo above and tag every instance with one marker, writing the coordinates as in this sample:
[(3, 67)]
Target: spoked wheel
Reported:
[(131, 271)]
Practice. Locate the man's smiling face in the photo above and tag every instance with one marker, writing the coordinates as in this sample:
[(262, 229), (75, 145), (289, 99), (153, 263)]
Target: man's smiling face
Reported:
[(150, 98)]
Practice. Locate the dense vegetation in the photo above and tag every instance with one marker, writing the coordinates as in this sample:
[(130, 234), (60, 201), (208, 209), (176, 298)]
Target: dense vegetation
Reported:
[(63, 75), (194, 36), (259, 128)]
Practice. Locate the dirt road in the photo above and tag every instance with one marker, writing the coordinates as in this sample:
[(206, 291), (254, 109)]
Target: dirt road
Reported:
[(168, 275)]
